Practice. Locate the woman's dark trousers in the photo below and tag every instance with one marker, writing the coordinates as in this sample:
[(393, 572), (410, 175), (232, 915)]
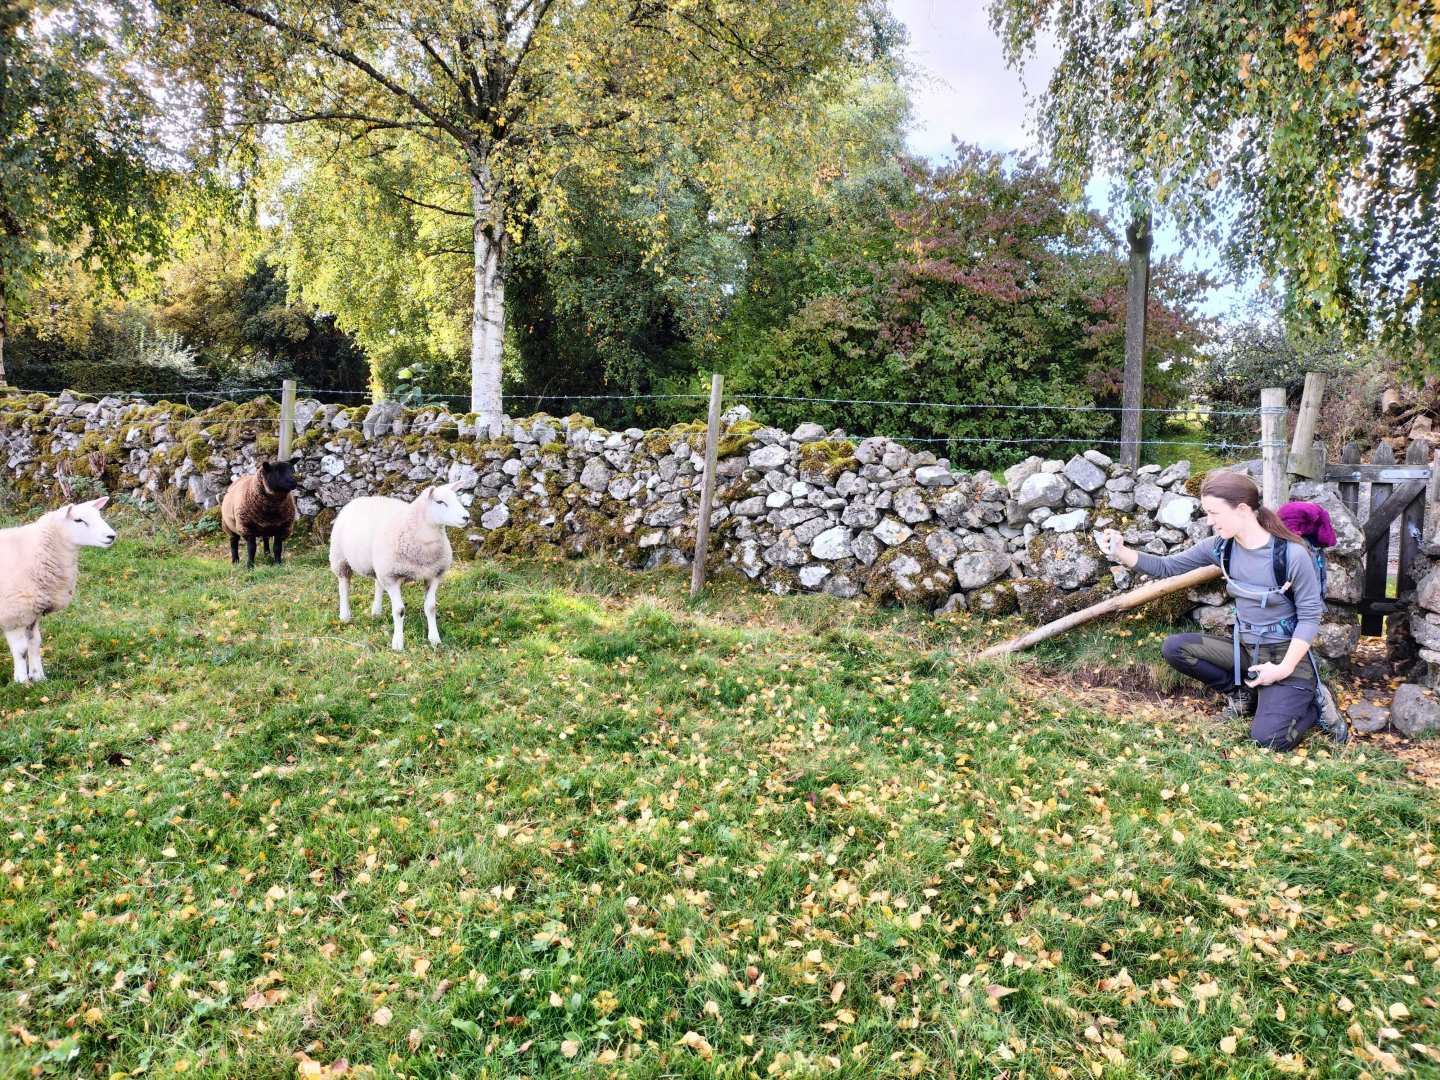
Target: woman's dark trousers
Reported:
[(1284, 712)]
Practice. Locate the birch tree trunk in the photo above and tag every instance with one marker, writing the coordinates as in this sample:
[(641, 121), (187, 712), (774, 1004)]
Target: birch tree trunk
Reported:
[(488, 328)]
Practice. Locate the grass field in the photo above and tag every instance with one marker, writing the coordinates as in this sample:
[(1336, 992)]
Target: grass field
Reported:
[(601, 832)]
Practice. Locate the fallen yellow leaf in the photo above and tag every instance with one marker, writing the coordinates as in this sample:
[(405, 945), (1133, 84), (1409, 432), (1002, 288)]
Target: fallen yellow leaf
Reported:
[(695, 1041)]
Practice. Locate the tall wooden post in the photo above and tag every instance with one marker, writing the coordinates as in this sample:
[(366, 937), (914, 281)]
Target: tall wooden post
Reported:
[(707, 488), (1273, 445), (1377, 559), (287, 418), (1306, 458), (1412, 526), (1138, 232)]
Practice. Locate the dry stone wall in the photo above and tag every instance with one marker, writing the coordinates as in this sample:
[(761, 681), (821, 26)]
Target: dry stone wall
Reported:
[(802, 510)]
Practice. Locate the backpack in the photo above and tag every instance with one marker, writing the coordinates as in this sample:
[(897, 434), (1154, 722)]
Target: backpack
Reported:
[(1279, 561)]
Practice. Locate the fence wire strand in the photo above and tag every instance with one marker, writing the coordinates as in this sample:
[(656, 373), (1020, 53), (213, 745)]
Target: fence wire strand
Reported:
[(269, 424)]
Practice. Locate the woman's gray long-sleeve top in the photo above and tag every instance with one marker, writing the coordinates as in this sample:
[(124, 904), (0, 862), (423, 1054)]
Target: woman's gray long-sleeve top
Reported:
[(1253, 571)]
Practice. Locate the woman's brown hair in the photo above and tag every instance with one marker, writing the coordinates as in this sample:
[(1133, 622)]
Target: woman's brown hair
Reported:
[(1236, 488)]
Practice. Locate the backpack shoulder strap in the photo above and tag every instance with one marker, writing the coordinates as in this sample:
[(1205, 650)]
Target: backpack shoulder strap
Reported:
[(1222, 554), (1280, 562)]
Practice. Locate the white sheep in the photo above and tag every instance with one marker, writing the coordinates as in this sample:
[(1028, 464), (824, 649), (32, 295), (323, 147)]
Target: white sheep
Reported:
[(39, 565), (393, 542)]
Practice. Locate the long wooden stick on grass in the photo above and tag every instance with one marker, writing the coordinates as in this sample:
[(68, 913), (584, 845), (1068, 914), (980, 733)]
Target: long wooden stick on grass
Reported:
[(1124, 602)]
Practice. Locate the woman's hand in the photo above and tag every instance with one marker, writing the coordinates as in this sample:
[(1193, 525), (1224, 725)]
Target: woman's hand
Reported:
[(1112, 546), (1268, 674)]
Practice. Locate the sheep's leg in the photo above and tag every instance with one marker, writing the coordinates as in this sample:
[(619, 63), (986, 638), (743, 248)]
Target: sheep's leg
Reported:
[(19, 642), (377, 606), (279, 545), (397, 613), (249, 553), (266, 541), (430, 606), (37, 669), (234, 548), (344, 581)]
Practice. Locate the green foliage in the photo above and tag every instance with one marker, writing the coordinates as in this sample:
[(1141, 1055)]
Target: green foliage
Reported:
[(83, 176), (397, 276), (1260, 353), (233, 303), (217, 314), (1305, 137), (971, 283), (636, 299)]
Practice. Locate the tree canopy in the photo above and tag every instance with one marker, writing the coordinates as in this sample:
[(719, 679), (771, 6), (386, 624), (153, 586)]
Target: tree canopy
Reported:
[(1305, 138), (85, 170), (973, 282), (492, 105)]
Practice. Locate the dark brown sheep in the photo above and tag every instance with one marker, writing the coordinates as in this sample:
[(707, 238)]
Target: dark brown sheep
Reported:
[(260, 506)]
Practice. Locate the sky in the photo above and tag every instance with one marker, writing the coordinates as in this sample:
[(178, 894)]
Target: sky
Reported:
[(965, 90)]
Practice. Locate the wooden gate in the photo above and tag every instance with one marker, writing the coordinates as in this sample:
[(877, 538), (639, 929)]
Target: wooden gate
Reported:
[(1396, 491)]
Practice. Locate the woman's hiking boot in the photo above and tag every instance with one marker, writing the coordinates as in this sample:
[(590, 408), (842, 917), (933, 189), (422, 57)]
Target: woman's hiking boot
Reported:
[(1239, 704), (1332, 720)]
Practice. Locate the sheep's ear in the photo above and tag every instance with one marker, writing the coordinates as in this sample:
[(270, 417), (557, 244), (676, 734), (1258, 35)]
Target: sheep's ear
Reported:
[(101, 502), (428, 493), (70, 512)]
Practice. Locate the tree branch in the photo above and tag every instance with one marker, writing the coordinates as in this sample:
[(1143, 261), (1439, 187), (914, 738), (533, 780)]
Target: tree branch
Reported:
[(466, 214), (431, 52), (360, 64), (524, 48)]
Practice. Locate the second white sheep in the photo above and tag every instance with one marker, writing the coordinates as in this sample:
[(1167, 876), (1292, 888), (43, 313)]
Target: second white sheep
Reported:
[(394, 542)]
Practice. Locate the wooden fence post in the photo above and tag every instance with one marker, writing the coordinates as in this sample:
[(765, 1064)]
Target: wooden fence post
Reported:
[(1350, 490), (1306, 457), (707, 488), (1377, 558), (1141, 237), (1412, 525), (287, 417), (1273, 446)]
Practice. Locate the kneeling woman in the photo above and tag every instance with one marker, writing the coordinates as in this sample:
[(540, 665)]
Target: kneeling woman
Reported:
[(1265, 667)]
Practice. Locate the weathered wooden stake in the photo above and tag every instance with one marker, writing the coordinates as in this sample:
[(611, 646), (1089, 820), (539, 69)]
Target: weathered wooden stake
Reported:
[(1350, 491), (287, 417), (1272, 445), (1305, 459), (1377, 555), (1412, 524), (707, 488)]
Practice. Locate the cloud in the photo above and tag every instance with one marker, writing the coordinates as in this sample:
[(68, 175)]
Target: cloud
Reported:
[(964, 88)]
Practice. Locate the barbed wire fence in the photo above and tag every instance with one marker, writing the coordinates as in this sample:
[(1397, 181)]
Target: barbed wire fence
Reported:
[(759, 402)]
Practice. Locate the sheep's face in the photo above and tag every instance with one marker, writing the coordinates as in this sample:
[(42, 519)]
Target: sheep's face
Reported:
[(443, 507), (84, 525), (278, 477)]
